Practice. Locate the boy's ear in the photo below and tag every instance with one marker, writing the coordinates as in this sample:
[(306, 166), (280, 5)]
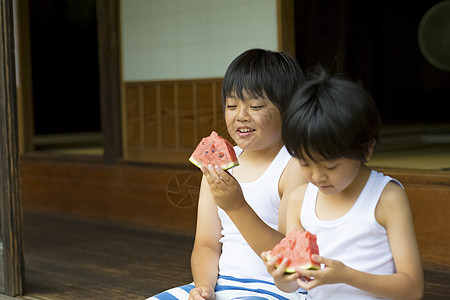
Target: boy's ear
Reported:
[(371, 149)]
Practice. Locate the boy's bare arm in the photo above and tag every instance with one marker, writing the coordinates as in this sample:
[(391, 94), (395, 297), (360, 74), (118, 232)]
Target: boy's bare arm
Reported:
[(291, 179), (394, 214), (397, 286), (228, 195), (294, 206), (207, 247)]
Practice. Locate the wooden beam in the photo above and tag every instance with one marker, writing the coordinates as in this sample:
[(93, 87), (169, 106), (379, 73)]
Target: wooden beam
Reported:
[(286, 26), (108, 20), (11, 210), (25, 97)]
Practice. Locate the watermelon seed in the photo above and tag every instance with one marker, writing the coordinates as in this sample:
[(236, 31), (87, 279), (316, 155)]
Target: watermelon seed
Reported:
[(221, 155), (213, 150)]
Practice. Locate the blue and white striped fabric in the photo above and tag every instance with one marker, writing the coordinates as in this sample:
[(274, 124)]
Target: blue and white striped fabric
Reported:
[(231, 288)]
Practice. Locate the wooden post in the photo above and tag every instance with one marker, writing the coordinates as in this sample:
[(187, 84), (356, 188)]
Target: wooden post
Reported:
[(286, 26), (10, 206), (108, 20)]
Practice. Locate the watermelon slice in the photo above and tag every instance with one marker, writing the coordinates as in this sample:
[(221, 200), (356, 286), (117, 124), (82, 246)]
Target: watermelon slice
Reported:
[(297, 246), (214, 150)]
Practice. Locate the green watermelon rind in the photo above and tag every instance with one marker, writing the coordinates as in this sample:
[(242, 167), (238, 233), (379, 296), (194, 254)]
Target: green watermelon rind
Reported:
[(195, 162), (223, 166), (291, 270), (230, 150)]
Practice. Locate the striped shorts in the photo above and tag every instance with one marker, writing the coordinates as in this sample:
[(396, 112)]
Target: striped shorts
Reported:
[(231, 288)]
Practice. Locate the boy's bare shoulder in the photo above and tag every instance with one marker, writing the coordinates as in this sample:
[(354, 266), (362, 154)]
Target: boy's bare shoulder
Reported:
[(292, 176), (294, 166), (298, 193), (393, 192), (294, 171), (301, 189), (392, 204)]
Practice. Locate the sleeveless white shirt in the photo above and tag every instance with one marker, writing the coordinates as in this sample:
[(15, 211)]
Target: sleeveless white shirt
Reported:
[(356, 238), (237, 258)]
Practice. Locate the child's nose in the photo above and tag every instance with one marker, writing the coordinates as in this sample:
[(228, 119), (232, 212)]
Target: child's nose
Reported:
[(318, 176), (242, 115)]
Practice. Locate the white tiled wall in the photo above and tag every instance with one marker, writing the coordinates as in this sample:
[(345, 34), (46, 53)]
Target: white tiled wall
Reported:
[(182, 39)]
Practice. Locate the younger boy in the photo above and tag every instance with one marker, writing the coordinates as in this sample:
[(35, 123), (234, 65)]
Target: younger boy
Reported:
[(362, 218)]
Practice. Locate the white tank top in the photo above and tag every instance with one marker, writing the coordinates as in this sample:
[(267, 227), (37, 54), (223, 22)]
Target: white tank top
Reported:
[(356, 238), (237, 258)]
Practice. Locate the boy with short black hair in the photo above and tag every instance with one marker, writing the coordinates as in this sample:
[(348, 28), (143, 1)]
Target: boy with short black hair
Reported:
[(361, 217)]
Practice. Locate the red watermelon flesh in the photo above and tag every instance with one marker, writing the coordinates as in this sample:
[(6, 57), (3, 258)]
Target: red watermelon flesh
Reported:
[(214, 150), (297, 246)]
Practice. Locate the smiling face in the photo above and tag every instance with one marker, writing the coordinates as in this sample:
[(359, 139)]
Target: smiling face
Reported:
[(254, 124)]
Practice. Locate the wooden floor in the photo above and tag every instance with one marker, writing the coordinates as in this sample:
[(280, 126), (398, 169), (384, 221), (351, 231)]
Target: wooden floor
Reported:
[(76, 259), (68, 258)]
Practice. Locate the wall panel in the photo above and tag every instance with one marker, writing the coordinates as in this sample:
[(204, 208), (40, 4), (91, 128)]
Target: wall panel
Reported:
[(165, 120), (429, 196)]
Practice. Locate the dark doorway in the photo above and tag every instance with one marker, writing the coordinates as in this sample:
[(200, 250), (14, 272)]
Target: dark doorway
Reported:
[(376, 43), (65, 69)]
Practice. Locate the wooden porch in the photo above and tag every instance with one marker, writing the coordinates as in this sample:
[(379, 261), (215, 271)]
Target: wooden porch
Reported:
[(99, 231), (73, 258)]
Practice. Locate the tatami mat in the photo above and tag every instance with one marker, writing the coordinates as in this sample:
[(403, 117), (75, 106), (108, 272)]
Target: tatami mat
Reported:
[(430, 158)]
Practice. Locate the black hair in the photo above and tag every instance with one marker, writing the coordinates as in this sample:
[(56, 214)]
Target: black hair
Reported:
[(263, 73), (331, 117)]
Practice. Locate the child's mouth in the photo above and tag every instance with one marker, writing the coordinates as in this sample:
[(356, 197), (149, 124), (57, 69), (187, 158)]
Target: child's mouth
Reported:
[(325, 187), (243, 132)]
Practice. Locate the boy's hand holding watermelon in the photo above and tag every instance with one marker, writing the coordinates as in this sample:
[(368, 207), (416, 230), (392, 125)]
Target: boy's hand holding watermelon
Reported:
[(213, 156), (291, 257), (225, 189)]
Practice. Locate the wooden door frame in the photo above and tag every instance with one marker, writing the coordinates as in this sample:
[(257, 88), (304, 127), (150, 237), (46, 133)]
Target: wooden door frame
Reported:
[(11, 209), (25, 115), (286, 26), (110, 77), (11, 215)]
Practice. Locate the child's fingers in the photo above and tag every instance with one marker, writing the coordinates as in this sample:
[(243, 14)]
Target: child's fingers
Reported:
[(307, 279), (218, 176), (207, 175), (275, 268), (272, 259), (205, 171), (210, 174), (319, 259), (307, 273), (196, 294), (264, 255), (224, 175), (269, 261), (213, 172), (306, 283), (281, 269)]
